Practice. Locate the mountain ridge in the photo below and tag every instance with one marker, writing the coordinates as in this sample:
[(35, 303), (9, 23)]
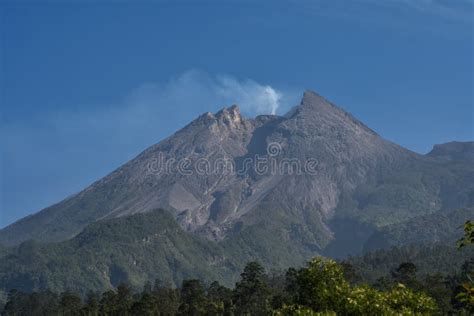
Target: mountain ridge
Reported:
[(359, 178), (454, 150)]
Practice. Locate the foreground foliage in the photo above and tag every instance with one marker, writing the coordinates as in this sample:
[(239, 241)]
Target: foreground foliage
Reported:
[(367, 285), (466, 292), (323, 287)]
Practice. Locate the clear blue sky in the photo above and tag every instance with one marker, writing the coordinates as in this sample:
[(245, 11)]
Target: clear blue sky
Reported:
[(86, 86)]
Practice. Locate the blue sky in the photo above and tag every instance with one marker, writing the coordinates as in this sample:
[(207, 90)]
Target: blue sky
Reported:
[(87, 85)]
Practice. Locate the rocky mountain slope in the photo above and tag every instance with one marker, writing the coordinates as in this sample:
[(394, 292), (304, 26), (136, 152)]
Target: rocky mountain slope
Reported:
[(463, 151), (326, 184)]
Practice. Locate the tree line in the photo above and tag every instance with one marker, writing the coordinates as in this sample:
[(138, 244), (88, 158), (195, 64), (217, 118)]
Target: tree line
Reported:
[(322, 287)]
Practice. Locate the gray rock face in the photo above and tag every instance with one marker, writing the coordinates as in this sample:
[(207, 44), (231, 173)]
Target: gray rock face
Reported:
[(321, 164), (454, 151)]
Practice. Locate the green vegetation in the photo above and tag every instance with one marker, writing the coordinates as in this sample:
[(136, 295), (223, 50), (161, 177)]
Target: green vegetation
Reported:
[(466, 290), (439, 227), (374, 284), (320, 288), (130, 249), (149, 246), (143, 247), (414, 189), (468, 237), (429, 260), (323, 287)]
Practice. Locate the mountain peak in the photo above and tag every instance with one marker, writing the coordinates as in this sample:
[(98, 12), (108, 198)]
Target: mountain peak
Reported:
[(317, 108), (311, 98), (313, 102), (230, 115), (211, 203)]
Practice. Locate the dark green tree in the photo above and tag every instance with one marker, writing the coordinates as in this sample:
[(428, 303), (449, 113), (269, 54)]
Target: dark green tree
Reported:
[(463, 292), (34, 304), (70, 304), (147, 305), (350, 273), (291, 286), (147, 287), (124, 299), (251, 294), (277, 286), (91, 304), (167, 298), (405, 273), (108, 302), (384, 283), (468, 237), (219, 300), (435, 285), (193, 298)]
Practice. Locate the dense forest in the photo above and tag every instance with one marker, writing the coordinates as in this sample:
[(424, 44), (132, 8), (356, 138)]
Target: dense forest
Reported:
[(322, 287)]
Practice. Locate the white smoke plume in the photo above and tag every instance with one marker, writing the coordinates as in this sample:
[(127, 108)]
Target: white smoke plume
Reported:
[(251, 96), (79, 146)]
